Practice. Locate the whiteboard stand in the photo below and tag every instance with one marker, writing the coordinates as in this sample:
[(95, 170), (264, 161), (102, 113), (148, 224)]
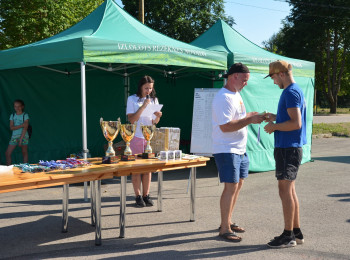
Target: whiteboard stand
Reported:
[(201, 141)]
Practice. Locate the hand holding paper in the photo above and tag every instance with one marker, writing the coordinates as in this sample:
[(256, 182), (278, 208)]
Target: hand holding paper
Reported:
[(150, 109)]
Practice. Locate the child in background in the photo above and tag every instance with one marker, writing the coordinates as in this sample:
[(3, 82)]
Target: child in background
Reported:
[(19, 122)]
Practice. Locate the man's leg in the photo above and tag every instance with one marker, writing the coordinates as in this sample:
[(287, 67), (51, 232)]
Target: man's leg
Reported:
[(286, 239), (296, 221), (229, 175), (285, 188), (226, 202), (242, 162), (235, 197), (299, 237)]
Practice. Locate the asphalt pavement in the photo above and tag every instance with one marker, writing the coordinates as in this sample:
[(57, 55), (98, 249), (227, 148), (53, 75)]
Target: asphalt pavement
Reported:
[(30, 221), (338, 118)]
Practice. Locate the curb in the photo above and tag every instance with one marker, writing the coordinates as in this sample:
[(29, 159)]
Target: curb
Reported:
[(322, 136)]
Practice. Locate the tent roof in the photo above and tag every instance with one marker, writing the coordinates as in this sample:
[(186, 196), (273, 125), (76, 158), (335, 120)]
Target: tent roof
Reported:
[(111, 35), (222, 37)]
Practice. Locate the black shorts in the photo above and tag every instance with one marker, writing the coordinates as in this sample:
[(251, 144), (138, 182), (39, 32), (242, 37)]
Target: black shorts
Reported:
[(287, 162)]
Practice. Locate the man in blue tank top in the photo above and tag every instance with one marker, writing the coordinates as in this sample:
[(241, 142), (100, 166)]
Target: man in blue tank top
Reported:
[(290, 135)]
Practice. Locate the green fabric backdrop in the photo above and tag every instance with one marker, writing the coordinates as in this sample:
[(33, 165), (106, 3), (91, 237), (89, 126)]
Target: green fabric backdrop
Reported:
[(53, 102)]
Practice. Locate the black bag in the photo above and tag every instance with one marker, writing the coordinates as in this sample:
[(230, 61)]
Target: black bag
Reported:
[(29, 129)]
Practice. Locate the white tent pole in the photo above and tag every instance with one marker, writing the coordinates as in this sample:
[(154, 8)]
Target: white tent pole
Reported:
[(225, 79), (83, 115)]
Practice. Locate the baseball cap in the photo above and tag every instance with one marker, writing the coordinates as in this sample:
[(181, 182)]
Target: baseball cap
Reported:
[(236, 68), (278, 66)]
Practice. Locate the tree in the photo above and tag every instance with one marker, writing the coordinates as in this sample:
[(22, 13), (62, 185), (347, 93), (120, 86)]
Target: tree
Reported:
[(23, 22), (272, 43), (319, 31), (183, 20)]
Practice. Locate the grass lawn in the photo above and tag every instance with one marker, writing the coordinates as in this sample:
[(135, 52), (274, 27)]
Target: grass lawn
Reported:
[(337, 129), (339, 110)]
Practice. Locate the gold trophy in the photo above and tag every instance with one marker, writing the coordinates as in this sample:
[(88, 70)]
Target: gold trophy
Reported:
[(127, 131), (110, 131), (148, 131)]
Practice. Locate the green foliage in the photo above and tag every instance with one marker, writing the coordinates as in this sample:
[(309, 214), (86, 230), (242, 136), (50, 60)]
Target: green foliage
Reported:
[(272, 43), (23, 22), (183, 20), (319, 31)]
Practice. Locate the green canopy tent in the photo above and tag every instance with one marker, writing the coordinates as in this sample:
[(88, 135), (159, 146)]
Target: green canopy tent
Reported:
[(99, 54), (260, 94)]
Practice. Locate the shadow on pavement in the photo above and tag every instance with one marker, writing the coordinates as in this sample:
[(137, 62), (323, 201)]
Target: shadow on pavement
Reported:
[(197, 254), (340, 159), (340, 196), (35, 235), (32, 236), (85, 206)]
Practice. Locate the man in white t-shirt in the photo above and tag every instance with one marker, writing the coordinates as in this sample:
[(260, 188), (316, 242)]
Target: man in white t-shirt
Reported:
[(230, 120)]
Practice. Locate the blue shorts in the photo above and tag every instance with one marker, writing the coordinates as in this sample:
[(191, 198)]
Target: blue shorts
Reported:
[(232, 167)]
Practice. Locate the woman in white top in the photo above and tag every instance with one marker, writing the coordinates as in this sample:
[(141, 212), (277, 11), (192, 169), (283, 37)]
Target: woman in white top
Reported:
[(135, 106)]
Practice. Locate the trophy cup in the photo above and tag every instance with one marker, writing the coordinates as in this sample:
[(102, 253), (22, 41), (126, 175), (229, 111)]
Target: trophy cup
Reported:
[(148, 131), (110, 131), (127, 131)]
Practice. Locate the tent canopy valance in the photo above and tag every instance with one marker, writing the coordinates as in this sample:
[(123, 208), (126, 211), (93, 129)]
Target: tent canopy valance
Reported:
[(111, 35)]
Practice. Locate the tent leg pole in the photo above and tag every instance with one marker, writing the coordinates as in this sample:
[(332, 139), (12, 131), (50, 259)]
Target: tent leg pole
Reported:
[(126, 86), (83, 116), (85, 191)]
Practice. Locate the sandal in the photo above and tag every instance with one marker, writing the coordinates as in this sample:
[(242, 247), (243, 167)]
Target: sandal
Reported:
[(232, 237), (236, 228)]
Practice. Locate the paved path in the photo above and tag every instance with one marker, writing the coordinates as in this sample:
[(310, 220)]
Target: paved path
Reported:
[(30, 221), (331, 119)]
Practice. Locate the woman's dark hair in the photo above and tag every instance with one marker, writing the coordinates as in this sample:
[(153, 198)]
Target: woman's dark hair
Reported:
[(19, 101), (143, 81)]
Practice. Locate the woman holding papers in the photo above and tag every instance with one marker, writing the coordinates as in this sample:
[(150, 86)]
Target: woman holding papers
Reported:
[(137, 112)]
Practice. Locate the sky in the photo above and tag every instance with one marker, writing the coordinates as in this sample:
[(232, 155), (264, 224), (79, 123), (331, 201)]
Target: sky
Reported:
[(256, 20)]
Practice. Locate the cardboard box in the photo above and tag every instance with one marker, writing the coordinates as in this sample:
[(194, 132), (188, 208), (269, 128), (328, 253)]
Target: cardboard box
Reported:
[(165, 139)]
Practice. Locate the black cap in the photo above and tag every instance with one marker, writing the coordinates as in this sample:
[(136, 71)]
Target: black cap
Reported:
[(237, 68)]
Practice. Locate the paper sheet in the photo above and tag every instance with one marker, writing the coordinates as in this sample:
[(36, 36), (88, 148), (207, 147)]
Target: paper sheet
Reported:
[(150, 109), (6, 169)]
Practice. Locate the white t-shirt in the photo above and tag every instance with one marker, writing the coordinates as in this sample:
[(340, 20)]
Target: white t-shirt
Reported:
[(134, 103), (228, 106)]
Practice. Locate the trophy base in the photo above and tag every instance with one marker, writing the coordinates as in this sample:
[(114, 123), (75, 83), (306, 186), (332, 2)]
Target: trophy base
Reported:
[(110, 159), (126, 158), (148, 156)]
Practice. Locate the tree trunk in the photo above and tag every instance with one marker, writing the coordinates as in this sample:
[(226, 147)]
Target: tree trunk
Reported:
[(331, 98), (333, 106)]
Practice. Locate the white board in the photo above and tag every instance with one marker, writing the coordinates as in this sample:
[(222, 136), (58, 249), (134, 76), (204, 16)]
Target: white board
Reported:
[(201, 141)]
